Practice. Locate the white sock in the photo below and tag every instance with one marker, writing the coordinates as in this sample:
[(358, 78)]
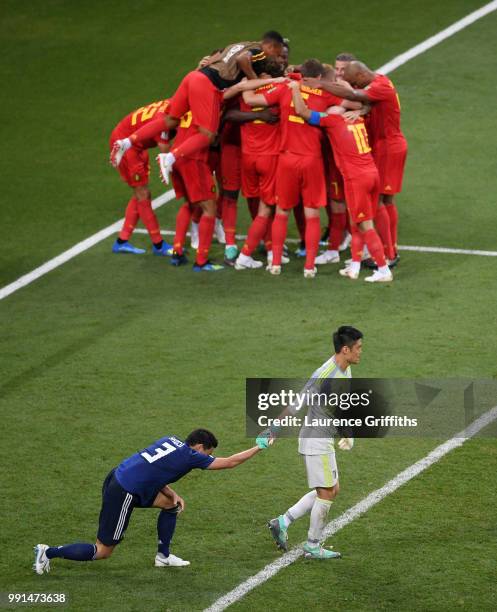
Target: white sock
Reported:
[(301, 508), (332, 253), (385, 270), (319, 514), (355, 266)]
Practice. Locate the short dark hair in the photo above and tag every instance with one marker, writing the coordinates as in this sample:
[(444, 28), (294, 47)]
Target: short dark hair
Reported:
[(202, 436), (345, 57), (273, 36), (312, 68), (345, 336), (273, 67)]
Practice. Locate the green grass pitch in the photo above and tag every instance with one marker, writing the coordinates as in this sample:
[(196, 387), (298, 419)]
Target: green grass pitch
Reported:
[(107, 353)]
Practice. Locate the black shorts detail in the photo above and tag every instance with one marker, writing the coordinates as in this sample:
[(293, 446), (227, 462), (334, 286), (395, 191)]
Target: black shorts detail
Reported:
[(117, 506)]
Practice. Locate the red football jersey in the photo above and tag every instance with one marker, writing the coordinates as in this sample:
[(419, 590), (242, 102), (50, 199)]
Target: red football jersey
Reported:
[(384, 123), (259, 137), (140, 117), (350, 145), (297, 136), (185, 129)]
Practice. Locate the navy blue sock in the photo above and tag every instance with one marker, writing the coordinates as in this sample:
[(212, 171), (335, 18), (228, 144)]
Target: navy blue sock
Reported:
[(75, 552), (166, 523)]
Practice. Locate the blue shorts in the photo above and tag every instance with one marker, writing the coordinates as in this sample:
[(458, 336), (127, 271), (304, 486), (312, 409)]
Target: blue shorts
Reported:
[(117, 506)]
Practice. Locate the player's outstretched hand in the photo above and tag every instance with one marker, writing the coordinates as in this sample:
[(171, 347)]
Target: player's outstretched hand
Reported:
[(264, 439), (346, 443)]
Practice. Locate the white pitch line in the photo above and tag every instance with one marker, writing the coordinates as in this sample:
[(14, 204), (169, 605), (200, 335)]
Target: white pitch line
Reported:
[(84, 245), (78, 248), (419, 249), (438, 38), (355, 511)]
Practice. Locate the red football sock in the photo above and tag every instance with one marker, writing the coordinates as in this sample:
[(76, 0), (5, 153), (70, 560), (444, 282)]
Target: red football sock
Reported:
[(255, 234), (130, 220), (149, 220), (338, 225), (279, 229), (393, 215), (298, 213), (382, 224), (268, 242), (229, 220), (357, 244), (191, 145), (253, 204), (183, 219), (375, 247), (148, 132), (312, 236), (205, 231)]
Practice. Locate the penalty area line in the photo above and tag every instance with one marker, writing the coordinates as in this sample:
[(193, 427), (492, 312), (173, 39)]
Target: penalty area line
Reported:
[(78, 248), (356, 511)]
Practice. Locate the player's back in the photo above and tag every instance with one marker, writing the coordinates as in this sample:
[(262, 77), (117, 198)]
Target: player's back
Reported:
[(164, 461), (297, 136), (350, 145), (139, 117), (384, 121), (225, 72)]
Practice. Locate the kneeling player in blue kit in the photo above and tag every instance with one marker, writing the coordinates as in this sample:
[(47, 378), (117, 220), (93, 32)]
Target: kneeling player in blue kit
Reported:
[(142, 481)]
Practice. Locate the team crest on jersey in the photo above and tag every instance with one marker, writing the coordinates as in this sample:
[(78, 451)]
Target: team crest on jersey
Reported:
[(137, 177)]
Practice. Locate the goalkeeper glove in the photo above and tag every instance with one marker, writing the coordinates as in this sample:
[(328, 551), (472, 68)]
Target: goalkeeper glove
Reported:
[(264, 439), (346, 443)]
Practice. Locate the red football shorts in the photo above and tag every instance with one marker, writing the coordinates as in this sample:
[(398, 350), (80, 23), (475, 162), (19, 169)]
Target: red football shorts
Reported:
[(259, 177), (230, 167), (362, 194), (192, 179), (300, 178), (336, 182), (390, 162), (135, 167), (196, 93)]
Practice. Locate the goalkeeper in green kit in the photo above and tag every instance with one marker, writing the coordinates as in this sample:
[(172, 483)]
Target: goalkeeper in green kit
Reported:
[(316, 444)]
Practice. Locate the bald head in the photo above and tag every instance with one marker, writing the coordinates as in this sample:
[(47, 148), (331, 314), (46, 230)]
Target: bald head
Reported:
[(358, 74)]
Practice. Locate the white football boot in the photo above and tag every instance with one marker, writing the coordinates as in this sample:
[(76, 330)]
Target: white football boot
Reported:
[(380, 276), (166, 162), (245, 262), (310, 273), (284, 258), (171, 561), (41, 564), (327, 257)]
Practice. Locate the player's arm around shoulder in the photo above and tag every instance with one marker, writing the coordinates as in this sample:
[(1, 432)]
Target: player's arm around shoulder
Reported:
[(298, 101), (225, 463)]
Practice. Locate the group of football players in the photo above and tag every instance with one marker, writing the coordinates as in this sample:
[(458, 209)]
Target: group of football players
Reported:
[(301, 138)]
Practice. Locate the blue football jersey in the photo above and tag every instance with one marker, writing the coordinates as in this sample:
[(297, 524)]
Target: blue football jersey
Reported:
[(167, 460)]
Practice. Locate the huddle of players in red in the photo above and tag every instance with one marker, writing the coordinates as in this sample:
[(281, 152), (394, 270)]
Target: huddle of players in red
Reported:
[(296, 138)]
